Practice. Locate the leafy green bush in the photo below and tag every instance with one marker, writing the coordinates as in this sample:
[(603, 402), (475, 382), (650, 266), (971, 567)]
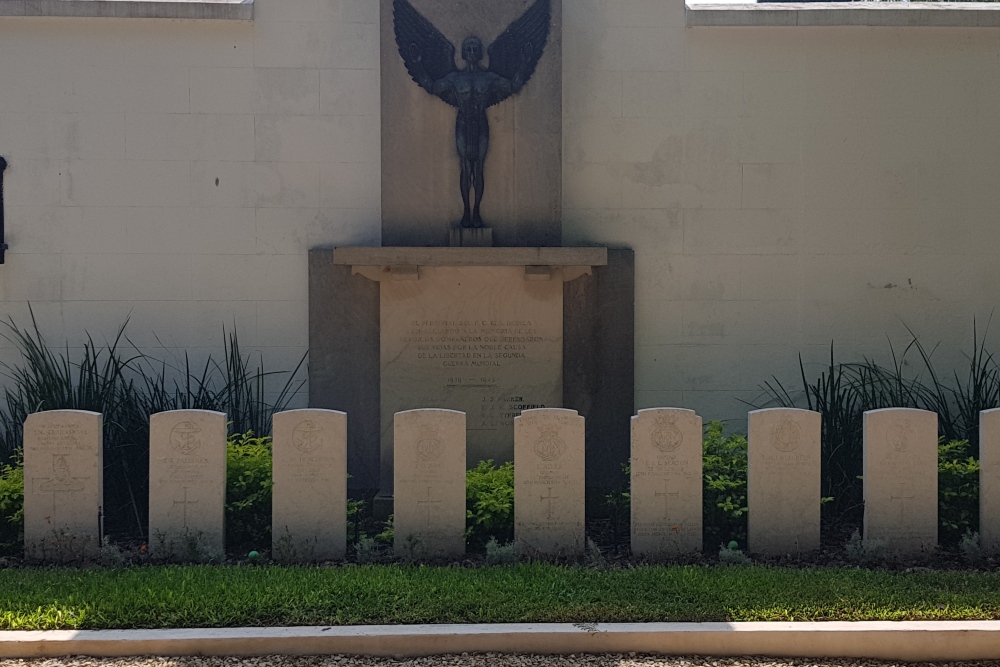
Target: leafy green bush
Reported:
[(958, 491), (12, 506), (725, 486), (248, 492), (489, 493)]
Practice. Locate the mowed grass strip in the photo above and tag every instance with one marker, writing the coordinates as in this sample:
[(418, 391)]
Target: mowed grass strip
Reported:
[(206, 596)]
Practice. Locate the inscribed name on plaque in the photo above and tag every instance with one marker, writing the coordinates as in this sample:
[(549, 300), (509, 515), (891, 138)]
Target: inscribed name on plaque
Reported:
[(479, 340), (666, 476), (309, 496), (900, 478), (549, 482), (63, 484)]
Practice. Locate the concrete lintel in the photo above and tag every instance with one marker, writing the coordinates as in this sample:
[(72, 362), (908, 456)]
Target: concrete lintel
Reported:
[(130, 9), (886, 14), (378, 256), (932, 641)]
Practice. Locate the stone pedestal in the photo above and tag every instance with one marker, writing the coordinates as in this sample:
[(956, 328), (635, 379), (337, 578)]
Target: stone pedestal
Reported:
[(63, 485), (783, 481), (309, 497), (900, 479), (666, 483), (187, 484)]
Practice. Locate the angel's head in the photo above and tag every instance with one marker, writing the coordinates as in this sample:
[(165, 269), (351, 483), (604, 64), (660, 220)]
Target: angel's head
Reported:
[(472, 51)]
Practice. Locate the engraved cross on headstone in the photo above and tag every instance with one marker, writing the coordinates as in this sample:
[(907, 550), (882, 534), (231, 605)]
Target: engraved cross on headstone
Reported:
[(61, 481), (184, 504), (666, 495), (549, 498), (902, 500), (427, 504)]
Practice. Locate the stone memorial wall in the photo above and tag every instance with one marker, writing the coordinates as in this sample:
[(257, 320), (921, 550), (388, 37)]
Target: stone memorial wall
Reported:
[(900, 479), (783, 481), (429, 514), (989, 481), (63, 484), (309, 496), (666, 483), (187, 484), (549, 494)]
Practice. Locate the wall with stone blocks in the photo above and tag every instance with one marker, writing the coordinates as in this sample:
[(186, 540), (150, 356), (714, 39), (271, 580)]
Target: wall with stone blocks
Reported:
[(782, 187)]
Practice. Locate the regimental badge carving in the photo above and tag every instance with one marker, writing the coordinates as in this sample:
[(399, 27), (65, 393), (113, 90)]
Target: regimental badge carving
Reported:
[(430, 60), (666, 436), (429, 445), (550, 446), (186, 438), (898, 435), (786, 436), (307, 436), (62, 480)]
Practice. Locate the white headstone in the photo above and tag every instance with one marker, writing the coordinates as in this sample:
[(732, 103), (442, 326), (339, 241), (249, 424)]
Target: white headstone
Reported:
[(900, 478), (989, 481), (783, 481), (549, 483), (309, 496), (666, 476), (429, 503), (63, 484), (187, 484)]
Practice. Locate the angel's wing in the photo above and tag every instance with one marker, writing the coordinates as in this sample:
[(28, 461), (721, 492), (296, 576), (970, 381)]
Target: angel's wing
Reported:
[(515, 53), (428, 54)]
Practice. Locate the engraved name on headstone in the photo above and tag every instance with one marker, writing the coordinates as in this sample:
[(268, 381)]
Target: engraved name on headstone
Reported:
[(187, 484), (989, 480), (783, 481), (63, 484), (429, 520), (309, 496), (900, 478), (549, 491), (666, 482)]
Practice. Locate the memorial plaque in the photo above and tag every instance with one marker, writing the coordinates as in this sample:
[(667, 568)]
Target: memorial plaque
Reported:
[(549, 487), (900, 478), (187, 484), (63, 484), (481, 340), (429, 520), (783, 481), (309, 496), (666, 475), (989, 481)]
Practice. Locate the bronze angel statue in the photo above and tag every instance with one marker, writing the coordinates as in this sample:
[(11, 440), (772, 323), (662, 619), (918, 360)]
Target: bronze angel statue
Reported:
[(430, 59)]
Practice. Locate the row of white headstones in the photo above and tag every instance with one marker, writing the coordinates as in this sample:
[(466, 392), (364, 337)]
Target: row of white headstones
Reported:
[(187, 472)]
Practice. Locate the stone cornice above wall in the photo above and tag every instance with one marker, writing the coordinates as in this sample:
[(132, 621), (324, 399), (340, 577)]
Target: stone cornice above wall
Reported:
[(131, 9), (899, 14)]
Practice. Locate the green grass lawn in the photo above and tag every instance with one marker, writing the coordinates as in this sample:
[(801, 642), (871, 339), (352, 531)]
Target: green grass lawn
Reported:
[(207, 596)]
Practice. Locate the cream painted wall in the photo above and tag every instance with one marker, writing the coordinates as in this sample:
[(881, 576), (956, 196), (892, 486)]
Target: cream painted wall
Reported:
[(782, 187)]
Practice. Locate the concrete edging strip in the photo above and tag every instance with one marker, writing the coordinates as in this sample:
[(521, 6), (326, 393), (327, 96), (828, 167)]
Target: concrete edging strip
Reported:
[(910, 641)]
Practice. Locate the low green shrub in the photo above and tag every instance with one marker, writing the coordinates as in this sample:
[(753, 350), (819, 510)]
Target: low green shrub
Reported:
[(12, 506), (248, 492), (958, 491), (489, 493), (725, 486)]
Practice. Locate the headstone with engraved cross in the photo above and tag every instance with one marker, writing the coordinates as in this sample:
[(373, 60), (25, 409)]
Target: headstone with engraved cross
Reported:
[(900, 478), (989, 480), (783, 481), (63, 490), (666, 472), (429, 484), (549, 482), (187, 484), (309, 496)]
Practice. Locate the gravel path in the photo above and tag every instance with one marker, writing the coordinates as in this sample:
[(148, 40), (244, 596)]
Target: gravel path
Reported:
[(470, 660)]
